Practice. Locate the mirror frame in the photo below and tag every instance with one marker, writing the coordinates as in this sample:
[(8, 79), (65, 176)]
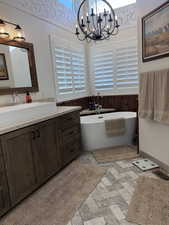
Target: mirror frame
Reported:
[(32, 66)]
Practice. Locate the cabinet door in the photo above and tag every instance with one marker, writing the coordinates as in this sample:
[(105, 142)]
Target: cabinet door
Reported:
[(19, 164), (47, 159), (4, 192)]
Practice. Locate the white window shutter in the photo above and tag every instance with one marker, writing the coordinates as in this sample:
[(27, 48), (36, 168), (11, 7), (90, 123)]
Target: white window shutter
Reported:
[(70, 70), (126, 67), (103, 69), (115, 68)]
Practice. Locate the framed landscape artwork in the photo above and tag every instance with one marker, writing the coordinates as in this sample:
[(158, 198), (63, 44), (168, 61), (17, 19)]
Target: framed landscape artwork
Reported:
[(3, 67), (155, 31)]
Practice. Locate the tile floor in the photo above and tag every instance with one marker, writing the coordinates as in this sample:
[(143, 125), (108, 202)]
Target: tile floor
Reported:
[(108, 203)]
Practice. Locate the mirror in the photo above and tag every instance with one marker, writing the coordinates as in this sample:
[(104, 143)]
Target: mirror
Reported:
[(17, 67)]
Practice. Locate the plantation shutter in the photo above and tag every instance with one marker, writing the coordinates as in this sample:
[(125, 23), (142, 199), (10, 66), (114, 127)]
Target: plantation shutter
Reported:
[(70, 70), (126, 67), (115, 70), (103, 70), (78, 71)]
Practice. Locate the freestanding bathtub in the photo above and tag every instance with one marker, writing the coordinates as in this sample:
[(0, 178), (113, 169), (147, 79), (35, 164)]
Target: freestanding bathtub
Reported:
[(94, 135)]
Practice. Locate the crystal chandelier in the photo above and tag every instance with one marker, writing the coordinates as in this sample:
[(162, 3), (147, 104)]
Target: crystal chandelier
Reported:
[(96, 25)]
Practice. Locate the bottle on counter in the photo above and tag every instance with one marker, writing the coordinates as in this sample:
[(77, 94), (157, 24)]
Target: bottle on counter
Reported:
[(28, 98)]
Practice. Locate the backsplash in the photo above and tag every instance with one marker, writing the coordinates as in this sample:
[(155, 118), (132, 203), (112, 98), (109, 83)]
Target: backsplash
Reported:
[(119, 102)]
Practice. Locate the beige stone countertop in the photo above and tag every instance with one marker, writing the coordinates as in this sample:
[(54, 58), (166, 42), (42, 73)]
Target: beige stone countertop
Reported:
[(25, 118)]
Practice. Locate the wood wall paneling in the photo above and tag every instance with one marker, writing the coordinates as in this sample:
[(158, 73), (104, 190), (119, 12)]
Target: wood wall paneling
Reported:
[(119, 102)]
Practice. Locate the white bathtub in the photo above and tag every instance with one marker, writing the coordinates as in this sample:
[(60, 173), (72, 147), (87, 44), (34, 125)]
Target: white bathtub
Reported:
[(94, 135)]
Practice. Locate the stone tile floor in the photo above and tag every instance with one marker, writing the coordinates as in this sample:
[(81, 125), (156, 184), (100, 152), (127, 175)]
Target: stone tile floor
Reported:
[(108, 203)]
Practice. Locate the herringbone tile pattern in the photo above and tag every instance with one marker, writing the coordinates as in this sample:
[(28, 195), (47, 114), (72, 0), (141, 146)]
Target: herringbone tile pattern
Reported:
[(108, 203)]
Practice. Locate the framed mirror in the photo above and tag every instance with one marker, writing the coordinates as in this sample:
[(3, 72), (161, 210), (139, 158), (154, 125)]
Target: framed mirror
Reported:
[(17, 67)]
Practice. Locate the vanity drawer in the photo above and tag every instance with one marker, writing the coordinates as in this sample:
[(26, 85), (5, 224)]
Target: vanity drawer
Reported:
[(71, 133), (71, 150), (69, 120)]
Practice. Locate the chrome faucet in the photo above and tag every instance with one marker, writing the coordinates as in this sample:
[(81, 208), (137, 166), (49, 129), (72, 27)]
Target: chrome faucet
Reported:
[(98, 108)]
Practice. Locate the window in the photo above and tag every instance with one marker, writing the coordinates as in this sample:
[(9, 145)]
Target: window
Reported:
[(67, 3), (115, 70), (69, 71), (115, 4)]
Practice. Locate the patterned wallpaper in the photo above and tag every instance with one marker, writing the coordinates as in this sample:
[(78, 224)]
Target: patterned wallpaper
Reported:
[(51, 10), (55, 12), (127, 15)]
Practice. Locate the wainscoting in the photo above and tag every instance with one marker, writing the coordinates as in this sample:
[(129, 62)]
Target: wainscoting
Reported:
[(83, 102), (119, 102)]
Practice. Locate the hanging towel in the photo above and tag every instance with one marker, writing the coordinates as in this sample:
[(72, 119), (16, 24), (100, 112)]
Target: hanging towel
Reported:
[(115, 127), (146, 95), (161, 96)]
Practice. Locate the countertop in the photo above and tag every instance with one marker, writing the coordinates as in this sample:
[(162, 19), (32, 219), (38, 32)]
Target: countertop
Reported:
[(91, 112), (9, 124)]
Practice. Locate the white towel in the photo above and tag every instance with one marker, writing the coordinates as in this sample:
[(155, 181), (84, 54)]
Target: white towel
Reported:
[(115, 127)]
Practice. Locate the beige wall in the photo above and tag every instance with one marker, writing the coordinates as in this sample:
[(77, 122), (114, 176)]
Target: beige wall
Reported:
[(154, 137)]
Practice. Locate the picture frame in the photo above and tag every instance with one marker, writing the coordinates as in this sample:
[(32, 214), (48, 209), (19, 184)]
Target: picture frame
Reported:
[(155, 33), (3, 68)]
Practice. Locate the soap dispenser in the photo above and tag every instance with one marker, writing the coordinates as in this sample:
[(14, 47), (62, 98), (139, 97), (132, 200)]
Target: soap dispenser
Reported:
[(28, 97)]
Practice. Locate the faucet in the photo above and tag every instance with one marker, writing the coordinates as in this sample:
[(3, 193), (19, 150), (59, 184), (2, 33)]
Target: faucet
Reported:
[(98, 106)]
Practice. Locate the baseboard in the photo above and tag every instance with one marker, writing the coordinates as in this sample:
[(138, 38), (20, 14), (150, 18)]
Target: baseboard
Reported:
[(161, 164)]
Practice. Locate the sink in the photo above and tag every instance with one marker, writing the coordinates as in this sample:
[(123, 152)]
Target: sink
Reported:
[(22, 112)]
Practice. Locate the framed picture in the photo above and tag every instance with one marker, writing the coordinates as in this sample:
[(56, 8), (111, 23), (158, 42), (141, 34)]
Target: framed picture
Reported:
[(155, 31), (3, 67)]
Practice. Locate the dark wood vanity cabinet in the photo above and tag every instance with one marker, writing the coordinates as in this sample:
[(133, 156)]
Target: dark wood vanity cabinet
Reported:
[(19, 163), (31, 155)]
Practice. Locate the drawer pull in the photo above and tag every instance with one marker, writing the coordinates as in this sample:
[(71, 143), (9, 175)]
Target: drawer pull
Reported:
[(38, 134), (71, 132), (33, 135), (69, 119), (72, 150)]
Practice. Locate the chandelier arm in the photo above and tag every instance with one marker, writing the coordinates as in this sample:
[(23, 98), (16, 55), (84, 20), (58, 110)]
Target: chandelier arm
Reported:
[(104, 37), (88, 40), (112, 28), (97, 24), (112, 10), (78, 16), (81, 39), (88, 27), (94, 23), (105, 22), (113, 34)]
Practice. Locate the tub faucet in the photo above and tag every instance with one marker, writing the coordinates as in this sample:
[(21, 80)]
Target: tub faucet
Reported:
[(98, 108)]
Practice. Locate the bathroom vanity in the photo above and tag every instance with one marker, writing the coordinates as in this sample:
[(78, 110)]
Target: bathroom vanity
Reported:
[(37, 141)]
